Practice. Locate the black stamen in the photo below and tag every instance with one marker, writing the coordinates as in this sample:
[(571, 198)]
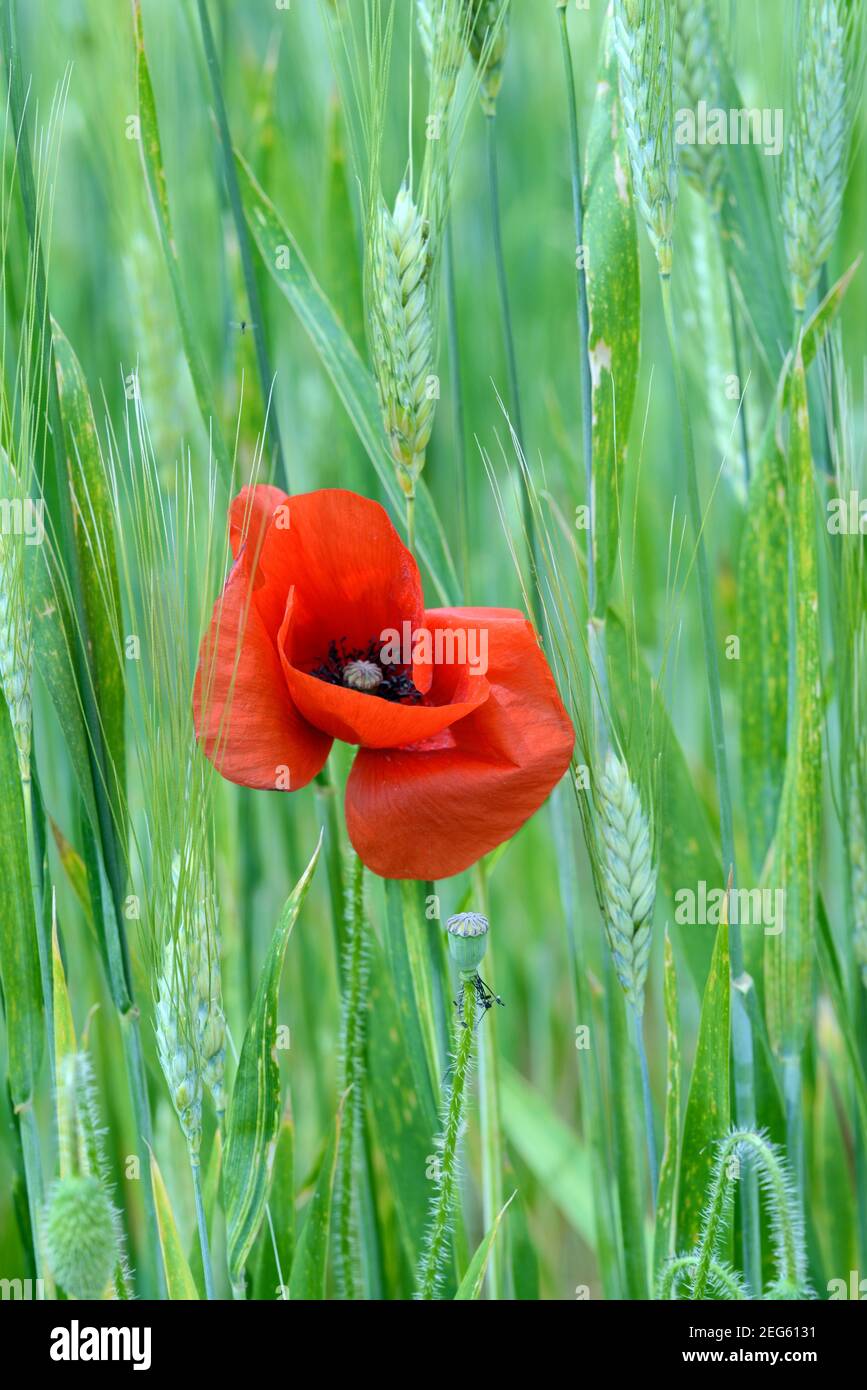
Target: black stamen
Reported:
[(396, 684)]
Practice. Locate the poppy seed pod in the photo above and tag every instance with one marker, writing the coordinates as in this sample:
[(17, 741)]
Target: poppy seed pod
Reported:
[(468, 940)]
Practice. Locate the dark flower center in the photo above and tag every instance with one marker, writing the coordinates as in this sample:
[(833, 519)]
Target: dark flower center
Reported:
[(362, 669)]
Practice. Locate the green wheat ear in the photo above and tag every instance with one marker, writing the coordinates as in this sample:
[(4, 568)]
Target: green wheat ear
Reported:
[(695, 46), (627, 876), (488, 42)]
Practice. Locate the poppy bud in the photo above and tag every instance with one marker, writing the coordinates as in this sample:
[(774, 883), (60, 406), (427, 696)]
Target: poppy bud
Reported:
[(468, 940)]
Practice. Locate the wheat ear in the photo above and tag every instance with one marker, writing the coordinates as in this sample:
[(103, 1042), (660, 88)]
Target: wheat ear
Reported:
[(488, 42), (695, 45), (642, 42), (627, 876)]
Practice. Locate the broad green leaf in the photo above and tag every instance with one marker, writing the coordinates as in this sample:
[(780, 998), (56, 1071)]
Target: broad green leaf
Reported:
[(752, 241), (94, 534), (403, 950), (789, 954), (614, 303), (708, 1106), (471, 1284), (19, 947), (352, 380), (555, 1155), (277, 1239), (404, 1124), (763, 625), (254, 1113), (155, 178), (180, 1283), (666, 1198), (310, 1265)]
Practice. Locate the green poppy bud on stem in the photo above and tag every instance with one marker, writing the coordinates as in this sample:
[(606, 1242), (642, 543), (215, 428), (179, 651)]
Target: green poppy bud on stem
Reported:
[(468, 941)]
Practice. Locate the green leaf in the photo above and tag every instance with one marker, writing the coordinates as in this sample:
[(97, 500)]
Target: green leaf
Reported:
[(708, 1106), (210, 1194), (555, 1156), (614, 303), (272, 1275), (19, 948), (352, 380), (406, 962), (666, 1198), (751, 240), (471, 1284), (155, 178), (310, 1265), (790, 953), (94, 535), (340, 234), (254, 1113), (832, 972), (629, 1135), (64, 1027), (763, 624), (404, 1124), (180, 1283)]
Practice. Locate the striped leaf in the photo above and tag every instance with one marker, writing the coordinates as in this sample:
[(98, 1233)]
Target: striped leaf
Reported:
[(708, 1106), (614, 302), (310, 1265), (789, 955), (19, 950), (180, 1283), (254, 1113), (471, 1285)]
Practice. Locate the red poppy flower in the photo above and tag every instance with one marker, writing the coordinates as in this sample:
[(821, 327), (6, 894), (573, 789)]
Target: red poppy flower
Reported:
[(321, 632)]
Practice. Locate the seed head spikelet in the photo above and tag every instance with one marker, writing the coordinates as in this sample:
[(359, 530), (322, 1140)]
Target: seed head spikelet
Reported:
[(190, 1023), (697, 77), (627, 876), (488, 42), (817, 150), (402, 337), (642, 42), (443, 43)]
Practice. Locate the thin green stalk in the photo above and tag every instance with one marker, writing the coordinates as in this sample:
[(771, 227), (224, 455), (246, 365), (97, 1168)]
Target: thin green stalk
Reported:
[(736, 345), (583, 307), (647, 1099), (203, 1231), (436, 1241), (266, 375), (457, 397), (509, 341), (42, 941), (499, 1278), (410, 523), (329, 820), (742, 1035), (793, 1101), (351, 1082)]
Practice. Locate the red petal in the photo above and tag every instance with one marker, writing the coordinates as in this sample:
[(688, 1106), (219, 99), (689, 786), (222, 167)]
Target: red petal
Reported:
[(356, 717), (352, 574), (433, 810), (244, 716)]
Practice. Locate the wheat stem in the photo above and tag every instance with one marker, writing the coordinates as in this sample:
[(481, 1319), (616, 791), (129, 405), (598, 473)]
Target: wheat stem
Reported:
[(647, 1099), (436, 1241), (202, 1226)]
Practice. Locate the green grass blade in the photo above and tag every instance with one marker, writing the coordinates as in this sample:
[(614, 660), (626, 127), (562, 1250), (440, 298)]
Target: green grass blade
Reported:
[(471, 1285), (554, 1154), (308, 1279), (278, 1232), (19, 951), (614, 301), (708, 1106), (352, 380), (254, 1114), (666, 1200), (180, 1283)]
